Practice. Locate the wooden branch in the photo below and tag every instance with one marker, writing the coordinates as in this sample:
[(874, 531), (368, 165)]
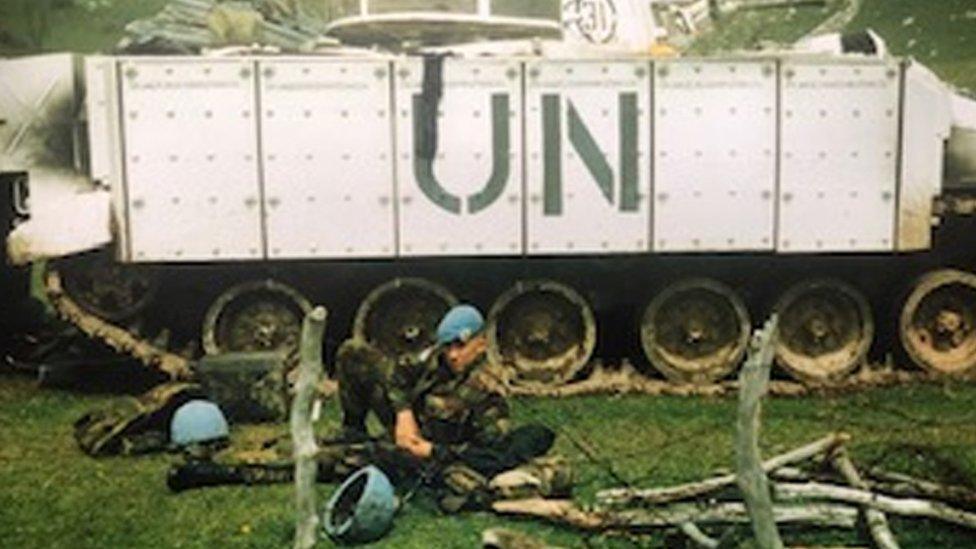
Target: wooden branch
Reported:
[(876, 520), (630, 496), (750, 476), (565, 512), (898, 484), (899, 506), (302, 430), (699, 538)]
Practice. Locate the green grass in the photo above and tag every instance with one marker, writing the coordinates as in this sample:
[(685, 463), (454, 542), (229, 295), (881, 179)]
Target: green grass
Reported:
[(940, 34), (748, 29), (70, 25), (54, 496)]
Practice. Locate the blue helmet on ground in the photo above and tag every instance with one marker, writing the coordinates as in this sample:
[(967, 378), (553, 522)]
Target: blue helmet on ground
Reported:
[(197, 422), (362, 509), (461, 323)]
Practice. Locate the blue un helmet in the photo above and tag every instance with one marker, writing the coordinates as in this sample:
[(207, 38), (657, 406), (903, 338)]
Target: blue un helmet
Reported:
[(362, 509), (198, 422), (461, 323)]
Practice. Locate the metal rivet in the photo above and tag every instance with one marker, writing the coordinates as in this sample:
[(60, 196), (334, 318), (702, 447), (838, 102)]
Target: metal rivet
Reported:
[(640, 72), (403, 74), (175, 200), (662, 72), (250, 202), (212, 200), (310, 199), (512, 74), (274, 202), (379, 74), (131, 73), (534, 73), (216, 252), (245, 72), (766, 195), (170, 114), (138, 204), (270, 114), (308, 113), (210, 158), (662, 197), (347, 198), (306, 70), (268, 72), (246, 114), (787, 197)]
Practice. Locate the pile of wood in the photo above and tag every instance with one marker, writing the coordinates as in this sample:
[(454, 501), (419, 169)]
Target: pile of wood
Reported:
[(829, 491), (192, 26)]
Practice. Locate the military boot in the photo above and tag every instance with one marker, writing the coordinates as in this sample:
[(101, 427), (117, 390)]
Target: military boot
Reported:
[(464, 488), (545, 477)]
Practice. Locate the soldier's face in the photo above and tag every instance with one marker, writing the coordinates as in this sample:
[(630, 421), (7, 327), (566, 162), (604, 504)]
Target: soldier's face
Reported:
[(460, 355)]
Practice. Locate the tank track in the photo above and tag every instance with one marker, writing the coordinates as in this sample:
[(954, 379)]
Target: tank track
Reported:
[(118, 338), (625, 379)]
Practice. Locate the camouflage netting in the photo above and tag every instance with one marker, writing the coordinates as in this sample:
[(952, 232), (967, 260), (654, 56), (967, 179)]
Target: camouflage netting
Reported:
[(191, 26)]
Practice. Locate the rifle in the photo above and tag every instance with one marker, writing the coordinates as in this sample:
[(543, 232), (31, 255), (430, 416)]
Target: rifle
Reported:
[(336, 461)]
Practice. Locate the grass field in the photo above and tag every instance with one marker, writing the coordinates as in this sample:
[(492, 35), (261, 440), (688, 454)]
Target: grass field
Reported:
[(51, 495), (54, 496)]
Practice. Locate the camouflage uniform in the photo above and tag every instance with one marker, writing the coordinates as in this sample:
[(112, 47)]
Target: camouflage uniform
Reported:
[(451, 409), (467, 423)]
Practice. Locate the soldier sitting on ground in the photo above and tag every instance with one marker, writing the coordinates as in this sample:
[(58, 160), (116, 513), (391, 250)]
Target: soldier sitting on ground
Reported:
[(437, 409)]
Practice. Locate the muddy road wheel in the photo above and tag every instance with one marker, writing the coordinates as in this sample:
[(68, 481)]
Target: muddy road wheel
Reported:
[(826, 329), (695, 331), (401, 316), (938, 322), (262, 315), (109, 290), (542, 331)]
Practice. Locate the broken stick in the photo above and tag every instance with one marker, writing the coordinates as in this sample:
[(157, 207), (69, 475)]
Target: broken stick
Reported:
[(897, 506), (876, 520), (302, 430), (638, 520), (629, 496), (750, 477)]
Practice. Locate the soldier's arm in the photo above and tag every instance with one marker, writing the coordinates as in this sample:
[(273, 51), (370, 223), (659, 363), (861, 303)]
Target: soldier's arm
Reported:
[(407, 435), (407, 375)]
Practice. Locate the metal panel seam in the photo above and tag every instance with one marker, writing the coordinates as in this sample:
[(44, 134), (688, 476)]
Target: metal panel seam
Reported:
[(523, 108), (651, 155), (900, 158), (128, 250), (778, 146), (394, 154), (259, 155)]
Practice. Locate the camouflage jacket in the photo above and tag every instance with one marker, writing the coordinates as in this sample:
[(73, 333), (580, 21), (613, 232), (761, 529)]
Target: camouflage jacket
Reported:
[(451, 408)]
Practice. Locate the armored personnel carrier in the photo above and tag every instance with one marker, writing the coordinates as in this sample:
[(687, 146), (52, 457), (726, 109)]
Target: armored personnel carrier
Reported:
[(603, 200)]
